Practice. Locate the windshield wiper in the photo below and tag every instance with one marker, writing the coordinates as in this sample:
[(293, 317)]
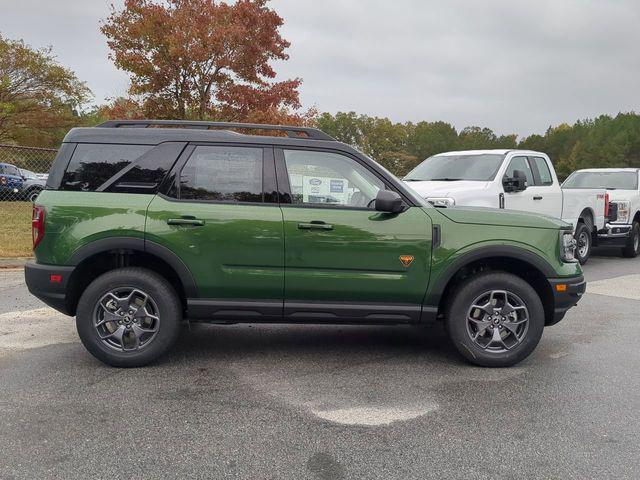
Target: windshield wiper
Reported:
[(446, 179)]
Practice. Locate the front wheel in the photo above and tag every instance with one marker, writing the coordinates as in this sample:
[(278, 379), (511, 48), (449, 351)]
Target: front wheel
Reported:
[(632, 249), (128, 317), (495, 319), (583, 243)]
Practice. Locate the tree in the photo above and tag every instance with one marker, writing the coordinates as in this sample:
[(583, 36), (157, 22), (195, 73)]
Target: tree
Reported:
[(201, 59), (39, 99), (430, 138)]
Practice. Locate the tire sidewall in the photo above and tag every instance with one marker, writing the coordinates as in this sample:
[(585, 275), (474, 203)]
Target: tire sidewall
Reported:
[(582, 227), (460, 304), (163, 295)]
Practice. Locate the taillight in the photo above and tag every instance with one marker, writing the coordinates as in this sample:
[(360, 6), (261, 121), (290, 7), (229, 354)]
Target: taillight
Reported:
[(606, 205), (37, 225), (3, 180)]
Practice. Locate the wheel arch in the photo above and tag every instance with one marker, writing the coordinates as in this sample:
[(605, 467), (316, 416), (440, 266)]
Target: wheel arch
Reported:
[(518, 261), (587, 215), (101, 256)]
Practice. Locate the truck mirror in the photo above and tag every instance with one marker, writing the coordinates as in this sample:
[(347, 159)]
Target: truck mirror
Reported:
[(517, 183)]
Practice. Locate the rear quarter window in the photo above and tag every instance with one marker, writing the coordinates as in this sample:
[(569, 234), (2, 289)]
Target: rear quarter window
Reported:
[(93, 164)]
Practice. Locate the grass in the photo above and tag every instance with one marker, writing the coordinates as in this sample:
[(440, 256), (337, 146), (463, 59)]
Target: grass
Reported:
[(15, 229)]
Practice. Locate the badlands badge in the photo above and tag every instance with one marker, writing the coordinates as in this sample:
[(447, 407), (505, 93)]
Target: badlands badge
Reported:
[(406, 260)]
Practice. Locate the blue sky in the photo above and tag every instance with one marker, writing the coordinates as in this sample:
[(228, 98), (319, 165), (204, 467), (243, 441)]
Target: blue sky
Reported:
[(516, 67)]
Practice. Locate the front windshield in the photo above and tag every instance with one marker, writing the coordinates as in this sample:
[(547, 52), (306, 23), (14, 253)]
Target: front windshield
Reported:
[(479, 167), (608, 180)]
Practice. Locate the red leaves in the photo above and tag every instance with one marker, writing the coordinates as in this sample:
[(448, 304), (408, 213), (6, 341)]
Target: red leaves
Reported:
[(202, 58)]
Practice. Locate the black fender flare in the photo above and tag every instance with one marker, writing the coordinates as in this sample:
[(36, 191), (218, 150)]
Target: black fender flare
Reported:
[(141, 245), (436, 290)]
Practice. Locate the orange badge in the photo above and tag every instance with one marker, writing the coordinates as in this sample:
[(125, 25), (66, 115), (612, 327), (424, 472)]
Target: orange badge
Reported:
[(406, 260)]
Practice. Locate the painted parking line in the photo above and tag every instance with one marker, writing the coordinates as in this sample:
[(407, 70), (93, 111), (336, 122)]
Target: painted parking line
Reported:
[(627, 286), (26, 329)]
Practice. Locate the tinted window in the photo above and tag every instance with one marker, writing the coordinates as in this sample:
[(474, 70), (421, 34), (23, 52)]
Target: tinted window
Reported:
[(93, 164), (543, 170), (522, 164), (330, 179), (480, 167), (9, 170), (232, 174), (609, 180)]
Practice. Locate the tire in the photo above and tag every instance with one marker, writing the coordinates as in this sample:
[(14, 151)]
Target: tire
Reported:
[(124, 340), (32, 194), (485, 351), (584, 243), (632, 249)]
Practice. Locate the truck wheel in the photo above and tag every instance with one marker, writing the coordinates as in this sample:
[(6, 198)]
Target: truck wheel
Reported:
[(495, 319), (632, 249), (128, 317), (584, 243)]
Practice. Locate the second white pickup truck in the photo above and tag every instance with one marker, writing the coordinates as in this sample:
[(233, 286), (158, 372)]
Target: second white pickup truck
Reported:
[(511, 179)]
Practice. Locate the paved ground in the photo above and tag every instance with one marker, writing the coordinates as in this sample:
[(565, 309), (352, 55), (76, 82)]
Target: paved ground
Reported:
[(326, 402)]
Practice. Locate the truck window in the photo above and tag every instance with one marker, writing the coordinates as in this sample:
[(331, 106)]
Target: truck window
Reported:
[(522, 164), (544, 173)]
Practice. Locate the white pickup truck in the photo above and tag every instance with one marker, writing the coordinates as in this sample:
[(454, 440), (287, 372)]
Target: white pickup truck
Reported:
[(623, 222), (512, 179)]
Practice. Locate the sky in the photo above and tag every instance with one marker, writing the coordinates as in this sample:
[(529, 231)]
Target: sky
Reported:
[(513, 66)]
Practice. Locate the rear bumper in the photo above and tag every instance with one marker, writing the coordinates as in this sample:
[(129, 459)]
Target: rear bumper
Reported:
[(49, 283), (567, 292), (614, 234)]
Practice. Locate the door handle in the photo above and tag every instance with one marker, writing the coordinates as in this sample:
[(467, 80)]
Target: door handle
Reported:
[(188, 221), (315, 225), (538, 197)]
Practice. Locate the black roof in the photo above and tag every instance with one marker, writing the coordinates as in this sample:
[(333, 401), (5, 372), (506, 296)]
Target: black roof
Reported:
[(152, 132)]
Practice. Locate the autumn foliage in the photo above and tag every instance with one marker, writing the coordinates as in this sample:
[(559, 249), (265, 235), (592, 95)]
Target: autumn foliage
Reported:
[(202, 59)]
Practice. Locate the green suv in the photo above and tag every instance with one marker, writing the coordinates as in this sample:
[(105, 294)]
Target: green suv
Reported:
[(143, 224)]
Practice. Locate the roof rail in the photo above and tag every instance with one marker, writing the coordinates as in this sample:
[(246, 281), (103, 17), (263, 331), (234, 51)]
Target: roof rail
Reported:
[(294, 132)]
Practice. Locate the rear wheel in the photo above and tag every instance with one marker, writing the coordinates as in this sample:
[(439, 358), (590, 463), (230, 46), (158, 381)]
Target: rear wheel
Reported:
[(632, 249), (495, 319), (32, 194), (128, 317), (584, 243)]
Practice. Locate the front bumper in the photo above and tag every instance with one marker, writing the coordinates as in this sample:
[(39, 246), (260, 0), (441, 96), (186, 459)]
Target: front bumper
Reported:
[(567, 292), (49, 283), (614, 234)]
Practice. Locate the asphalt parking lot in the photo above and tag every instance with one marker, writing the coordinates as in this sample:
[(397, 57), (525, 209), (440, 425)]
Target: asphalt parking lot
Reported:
[(326, 402)]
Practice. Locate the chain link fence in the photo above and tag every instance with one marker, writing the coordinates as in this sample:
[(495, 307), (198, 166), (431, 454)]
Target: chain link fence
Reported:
[(23, 174), (23, 171)]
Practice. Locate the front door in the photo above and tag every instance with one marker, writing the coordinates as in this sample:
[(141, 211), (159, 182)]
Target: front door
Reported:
[(219, 221), (343, 258)]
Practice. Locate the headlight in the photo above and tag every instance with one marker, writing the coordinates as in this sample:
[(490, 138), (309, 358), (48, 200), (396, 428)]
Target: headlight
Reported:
[(442, 202), (567, 246), (624, 209)]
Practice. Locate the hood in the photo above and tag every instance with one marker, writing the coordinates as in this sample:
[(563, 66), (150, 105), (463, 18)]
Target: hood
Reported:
[(428, 188), (503, 218)]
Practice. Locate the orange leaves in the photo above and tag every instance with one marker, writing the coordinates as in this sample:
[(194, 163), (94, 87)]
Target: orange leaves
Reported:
[(202, 58)]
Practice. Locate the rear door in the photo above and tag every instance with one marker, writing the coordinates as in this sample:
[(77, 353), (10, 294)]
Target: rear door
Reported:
[(218, 216), (343, 259)]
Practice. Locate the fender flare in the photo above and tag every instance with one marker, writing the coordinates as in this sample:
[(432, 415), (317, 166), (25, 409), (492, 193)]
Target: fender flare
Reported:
[(140, 245), (436, 290)]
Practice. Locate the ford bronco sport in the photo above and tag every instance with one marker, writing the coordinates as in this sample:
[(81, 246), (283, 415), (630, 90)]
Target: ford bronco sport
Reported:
[(143, 224)]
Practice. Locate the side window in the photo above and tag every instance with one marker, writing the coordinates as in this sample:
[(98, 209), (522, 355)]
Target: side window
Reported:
[(325, 178), (543, 170), (93, 164), (522, 164), (231, 174), (10, 170)]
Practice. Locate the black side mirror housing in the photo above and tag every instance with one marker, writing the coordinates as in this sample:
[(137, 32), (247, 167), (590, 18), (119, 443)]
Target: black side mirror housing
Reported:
[(388, 201), (517, 183)]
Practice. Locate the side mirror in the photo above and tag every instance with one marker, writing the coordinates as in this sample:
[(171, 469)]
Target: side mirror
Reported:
[(517, 183), (388, 201)]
